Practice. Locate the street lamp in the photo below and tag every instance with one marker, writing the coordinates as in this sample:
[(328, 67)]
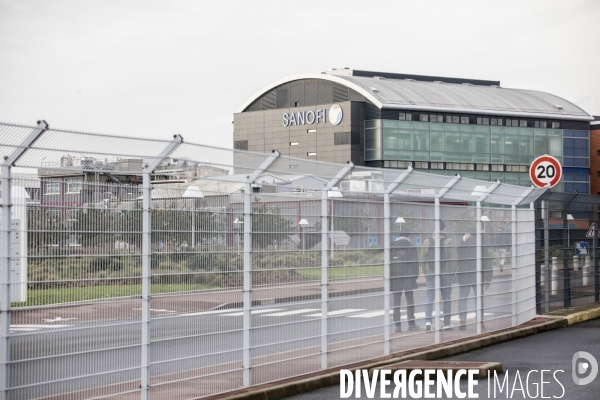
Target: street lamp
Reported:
[(569, 218), (195, 193), (484, 219), (332, 193), (303, 223), (238, 223)]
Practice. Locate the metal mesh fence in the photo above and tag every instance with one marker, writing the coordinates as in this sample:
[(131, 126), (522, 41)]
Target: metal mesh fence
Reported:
[(162, 269)]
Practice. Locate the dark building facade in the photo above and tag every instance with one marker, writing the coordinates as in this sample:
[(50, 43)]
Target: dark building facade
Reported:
[(447, 125)]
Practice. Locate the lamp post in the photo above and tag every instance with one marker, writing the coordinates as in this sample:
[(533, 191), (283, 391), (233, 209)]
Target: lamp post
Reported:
[(569, 218), (303, 223), (484, 219), (400, 221), (193, 192), (237, 222), (334, 192)]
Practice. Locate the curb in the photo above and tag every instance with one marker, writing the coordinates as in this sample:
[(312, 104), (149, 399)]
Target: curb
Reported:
[(332, 377)]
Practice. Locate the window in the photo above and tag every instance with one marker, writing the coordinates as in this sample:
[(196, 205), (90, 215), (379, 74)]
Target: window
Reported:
[(482, 167), (523, 123), (464, 120), (421, 164), (455, 119), (514, 122), (597, 173), (517, 168), (543, 124), (341, 138), (296, 104), (52, 188), (437, 165), (71, 215), (494, 121), (424, 117), (460, 166), (483, 121), (497, 168), (436, 118), (74, 185), (598, 152), (500, 122), (555, 125), (294, 143), (312, 131), (311, 154), (240, 145), (405, 116)]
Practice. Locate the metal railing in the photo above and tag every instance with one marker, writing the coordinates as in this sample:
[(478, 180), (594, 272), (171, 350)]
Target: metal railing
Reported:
[(127, 277)]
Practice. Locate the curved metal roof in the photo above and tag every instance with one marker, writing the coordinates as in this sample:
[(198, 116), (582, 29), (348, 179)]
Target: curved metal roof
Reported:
[(448, 97)]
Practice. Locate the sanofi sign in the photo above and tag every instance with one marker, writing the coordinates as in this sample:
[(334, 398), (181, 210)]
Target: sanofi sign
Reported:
[(314, 117)]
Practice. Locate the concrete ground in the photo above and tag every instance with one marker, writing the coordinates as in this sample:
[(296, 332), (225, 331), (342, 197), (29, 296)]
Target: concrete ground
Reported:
[(546, 343)]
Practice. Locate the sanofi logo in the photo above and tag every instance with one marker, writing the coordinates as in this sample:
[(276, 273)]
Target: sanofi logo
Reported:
[(580, 368), (335, 114), (313, 117)]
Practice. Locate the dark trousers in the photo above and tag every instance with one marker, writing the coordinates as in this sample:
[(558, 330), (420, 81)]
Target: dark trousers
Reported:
[(410, 306), (463, 295)]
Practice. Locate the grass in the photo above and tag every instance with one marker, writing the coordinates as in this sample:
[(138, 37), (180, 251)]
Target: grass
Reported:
[(37, 297), (347, 272)]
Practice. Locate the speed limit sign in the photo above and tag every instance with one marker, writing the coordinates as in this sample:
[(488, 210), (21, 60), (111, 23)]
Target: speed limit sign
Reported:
[(545, 170)]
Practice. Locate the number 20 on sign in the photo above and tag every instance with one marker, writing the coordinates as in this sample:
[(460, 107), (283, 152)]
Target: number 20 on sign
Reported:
[(545, 170)]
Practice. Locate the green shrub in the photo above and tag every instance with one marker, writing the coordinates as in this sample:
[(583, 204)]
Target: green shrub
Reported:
[(106, 264)]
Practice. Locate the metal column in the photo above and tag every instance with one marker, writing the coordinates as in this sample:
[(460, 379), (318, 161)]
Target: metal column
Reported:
[(324, 281), (514, 264), (247, 292), (147, 261), (6, 252), (5, 268), (596, 264), (247, 322), (146, 280), (386, 274), (325, 263), (547, 272), (438, 280), (479, 277)]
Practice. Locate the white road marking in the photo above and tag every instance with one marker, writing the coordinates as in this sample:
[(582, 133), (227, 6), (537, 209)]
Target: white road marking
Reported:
[(283, 314), (372, 314), (267, 310), (338, 312), (33, 328), (210, 312)]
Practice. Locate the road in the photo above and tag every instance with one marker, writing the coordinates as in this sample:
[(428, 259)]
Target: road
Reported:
[(187, 342), (551, 350)]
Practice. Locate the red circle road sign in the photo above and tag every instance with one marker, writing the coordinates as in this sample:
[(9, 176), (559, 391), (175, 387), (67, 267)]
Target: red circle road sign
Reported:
[(545, 170)]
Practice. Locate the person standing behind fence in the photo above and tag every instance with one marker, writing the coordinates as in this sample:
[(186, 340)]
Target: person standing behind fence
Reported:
[(448, 258), (503, 241), (466, 273), (404, 270)]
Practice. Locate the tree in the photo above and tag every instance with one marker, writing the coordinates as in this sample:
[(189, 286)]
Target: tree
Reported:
[(269, 226)]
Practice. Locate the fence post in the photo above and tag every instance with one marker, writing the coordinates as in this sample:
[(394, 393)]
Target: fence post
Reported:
[(437, 264), (325, 262), (479, 278), (324, 280), (5, 281), (146, 278), (147, 261), (247, 321), (386, 274), (6, 251), (565, 262), (547, 271), (514, 264), (596, 264)]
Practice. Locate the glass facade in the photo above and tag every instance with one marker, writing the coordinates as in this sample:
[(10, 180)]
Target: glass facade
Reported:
[(479, 151)]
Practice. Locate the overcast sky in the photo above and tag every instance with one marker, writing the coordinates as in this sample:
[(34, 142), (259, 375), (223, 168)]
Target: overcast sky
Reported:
[(156, 68)]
